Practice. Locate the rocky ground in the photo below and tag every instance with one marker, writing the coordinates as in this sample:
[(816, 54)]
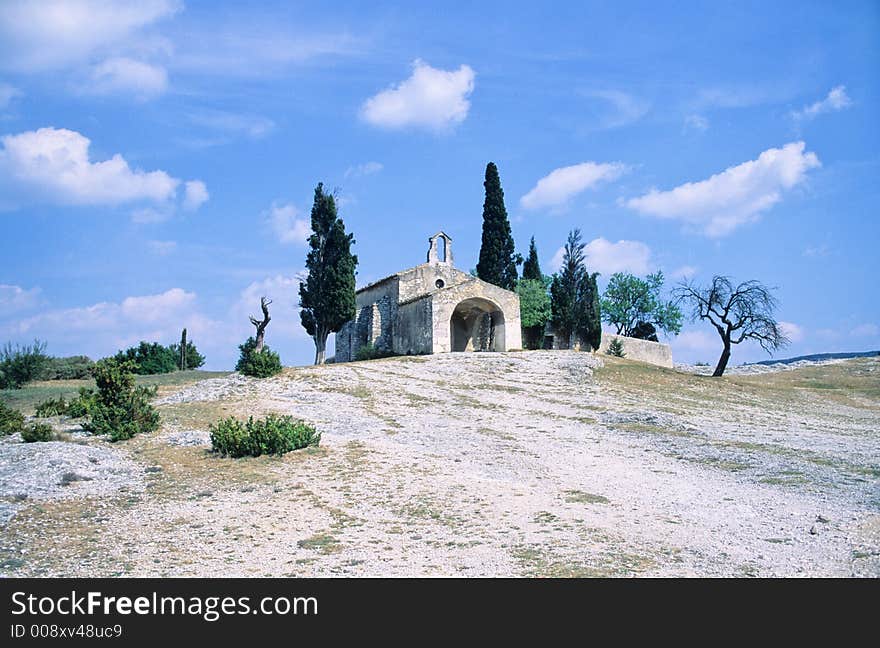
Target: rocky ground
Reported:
[(517, 464)]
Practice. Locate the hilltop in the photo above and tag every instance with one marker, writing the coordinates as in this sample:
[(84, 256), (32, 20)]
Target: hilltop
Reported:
[(536, 463)]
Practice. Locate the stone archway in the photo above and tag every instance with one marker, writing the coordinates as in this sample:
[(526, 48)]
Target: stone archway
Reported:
[(477, 324)]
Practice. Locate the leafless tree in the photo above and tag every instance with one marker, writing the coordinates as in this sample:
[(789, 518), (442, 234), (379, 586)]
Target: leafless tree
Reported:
[(744, 312), (261, 324)]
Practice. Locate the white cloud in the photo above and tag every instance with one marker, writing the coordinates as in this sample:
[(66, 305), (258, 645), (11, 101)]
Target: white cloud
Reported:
[(865, 330), (683, 272), (736, 196), (792, 331), (837, 99), (285, 222), (606, 257), (430, 98), (53, 165), (195, 195), (52, 34), (16, 298), (7, 94), (696, 122), (360, 170), (55, 162), (162, 248), (150, 308), (124, 75), (560, 185), (556, 261)]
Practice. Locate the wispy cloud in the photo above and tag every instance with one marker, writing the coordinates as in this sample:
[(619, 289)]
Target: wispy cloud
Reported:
[(835, 100), (366, 169), (725, 201), (124, 75), (249, 125), (15, 298), (430, 98), (562, 184), (617, 108)]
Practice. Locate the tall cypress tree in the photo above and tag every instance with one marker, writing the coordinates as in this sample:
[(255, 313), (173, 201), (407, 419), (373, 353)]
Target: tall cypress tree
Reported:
[(574, 296), (497, 263), (327, 296), (531, 267)]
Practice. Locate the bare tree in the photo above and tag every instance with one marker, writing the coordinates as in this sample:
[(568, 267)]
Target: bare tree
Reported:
[(261, 324), (744, 312)]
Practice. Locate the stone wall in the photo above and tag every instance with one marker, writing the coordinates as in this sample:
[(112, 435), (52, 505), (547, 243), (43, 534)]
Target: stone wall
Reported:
[(413, 333), (422, 280), (653, 353)]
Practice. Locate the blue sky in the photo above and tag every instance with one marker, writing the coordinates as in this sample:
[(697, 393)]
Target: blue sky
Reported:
[(158, 158)]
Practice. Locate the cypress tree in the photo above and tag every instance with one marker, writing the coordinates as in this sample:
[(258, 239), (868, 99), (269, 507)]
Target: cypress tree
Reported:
[(327, 296), (574, 296), (531, 267), (497, 263)]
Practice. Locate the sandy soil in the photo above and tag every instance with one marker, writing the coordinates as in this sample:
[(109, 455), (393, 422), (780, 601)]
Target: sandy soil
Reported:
[(518, 464)]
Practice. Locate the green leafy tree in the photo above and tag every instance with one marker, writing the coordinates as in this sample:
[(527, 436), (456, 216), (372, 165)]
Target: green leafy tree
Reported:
[(498, 259), (635, 306), (21, 364), (327, 296), (574, 296), (532, 267), (534, 310)]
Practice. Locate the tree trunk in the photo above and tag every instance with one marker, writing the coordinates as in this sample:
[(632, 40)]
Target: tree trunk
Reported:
[(183, 350), (722, 361), (320, 347)]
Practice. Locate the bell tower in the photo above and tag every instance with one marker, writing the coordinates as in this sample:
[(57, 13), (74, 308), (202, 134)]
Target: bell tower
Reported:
[(440, 248)]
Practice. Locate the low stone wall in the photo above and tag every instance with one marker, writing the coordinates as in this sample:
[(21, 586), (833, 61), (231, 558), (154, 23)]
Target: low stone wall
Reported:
[(653, 353)]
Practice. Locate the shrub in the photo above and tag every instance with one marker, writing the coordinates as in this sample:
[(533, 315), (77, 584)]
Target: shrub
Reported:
[(71, 368), (21, 364), (37, 432), (120, 410), (11, 421), (82, 405), (149, 358), (369, 352), (272, 435), (260, 365), (52, 407), (616, 348)]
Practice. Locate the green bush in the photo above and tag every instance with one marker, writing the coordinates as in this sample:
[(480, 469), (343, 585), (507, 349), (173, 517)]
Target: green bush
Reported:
[(274, 435), (71, 368), (37, 432), (616, 348), (11, 421), (52, 407), (369, 352), (120, 410), (259, 365), (194, 359), (149, 358), (21, 364), (82, 405)]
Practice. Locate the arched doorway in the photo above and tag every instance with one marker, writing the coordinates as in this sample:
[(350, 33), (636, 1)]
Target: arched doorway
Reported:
[(477, 325)]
